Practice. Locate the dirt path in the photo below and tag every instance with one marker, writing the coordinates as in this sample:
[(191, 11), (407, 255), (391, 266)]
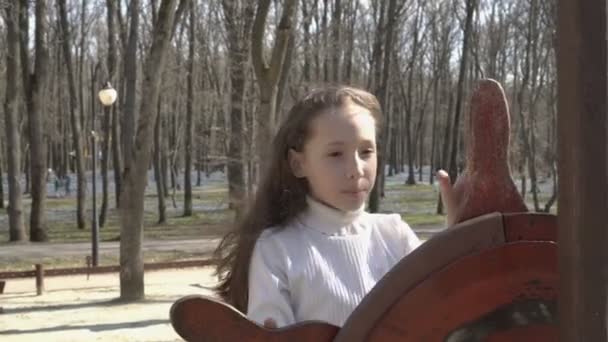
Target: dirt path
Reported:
[(76, 309)]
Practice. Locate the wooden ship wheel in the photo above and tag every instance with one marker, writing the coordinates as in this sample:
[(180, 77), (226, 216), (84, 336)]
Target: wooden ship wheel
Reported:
[(490, 277)]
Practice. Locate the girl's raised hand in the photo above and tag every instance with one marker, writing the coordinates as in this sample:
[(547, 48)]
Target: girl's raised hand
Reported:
[(448, 195)]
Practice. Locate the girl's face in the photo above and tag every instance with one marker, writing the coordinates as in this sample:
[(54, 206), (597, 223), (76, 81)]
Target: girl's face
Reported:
[(339, 158)]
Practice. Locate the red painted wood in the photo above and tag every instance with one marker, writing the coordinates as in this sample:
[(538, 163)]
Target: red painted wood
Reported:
[(199, 318), (470, 288), (540, 332), (530, 227), (486, 186)]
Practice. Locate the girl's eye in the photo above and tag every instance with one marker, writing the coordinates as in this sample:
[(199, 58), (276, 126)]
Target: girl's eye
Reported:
[(335, 154), (367, 152)]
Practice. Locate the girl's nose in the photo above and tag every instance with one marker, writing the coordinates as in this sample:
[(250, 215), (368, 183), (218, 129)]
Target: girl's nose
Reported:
[(355, 167)]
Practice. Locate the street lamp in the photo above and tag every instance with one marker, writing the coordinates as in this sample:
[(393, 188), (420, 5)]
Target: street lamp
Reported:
[(107, 97)]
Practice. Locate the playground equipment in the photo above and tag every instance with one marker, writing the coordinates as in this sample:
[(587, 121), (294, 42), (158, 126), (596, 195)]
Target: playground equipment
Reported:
[(492, 276)]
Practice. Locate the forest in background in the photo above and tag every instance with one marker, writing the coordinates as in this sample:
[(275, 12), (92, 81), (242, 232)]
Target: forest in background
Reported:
[(202, 86)]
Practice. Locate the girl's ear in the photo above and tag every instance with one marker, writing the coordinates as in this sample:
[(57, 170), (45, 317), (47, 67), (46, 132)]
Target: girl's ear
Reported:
[(295, 163)]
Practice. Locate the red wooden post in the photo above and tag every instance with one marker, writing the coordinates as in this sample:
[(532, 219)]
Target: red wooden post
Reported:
[(583, 177)]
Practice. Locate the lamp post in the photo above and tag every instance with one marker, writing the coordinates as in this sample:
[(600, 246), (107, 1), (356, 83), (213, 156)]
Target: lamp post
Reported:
[(107, 96)]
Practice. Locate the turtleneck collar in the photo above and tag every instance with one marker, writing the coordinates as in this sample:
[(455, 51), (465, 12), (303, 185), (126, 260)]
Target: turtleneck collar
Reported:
[(331, 221)]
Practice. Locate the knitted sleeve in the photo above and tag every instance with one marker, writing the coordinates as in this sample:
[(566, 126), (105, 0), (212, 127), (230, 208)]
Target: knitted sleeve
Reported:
[(268, 289)]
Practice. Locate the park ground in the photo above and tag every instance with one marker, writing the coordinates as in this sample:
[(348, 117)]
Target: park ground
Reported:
[(77, 308)]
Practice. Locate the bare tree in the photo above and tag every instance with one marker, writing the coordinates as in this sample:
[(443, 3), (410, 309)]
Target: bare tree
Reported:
[(470, 7), (382, 92), (116, 144), (11, 125), (130, 72), (269, 74), (407, 95), (336, 51), (1, 177), (132, 205), (35, 101), (189, 114), (76, 134), (108, 121), (237, 20), (158, 175)]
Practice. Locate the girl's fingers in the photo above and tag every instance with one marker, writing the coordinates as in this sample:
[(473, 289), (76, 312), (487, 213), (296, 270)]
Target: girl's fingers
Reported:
[(447, 194)]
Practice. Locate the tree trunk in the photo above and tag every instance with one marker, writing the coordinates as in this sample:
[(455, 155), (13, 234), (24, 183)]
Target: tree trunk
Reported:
[(116, 157), (348, 58), (164, 158), (336, 43), (83, 9), (409, 140), (24, 28), (105, 154), (1, 177), (306, 19), (174, 147), (11, 125), (26, 170), (423, 100), (325, 42), (470, 11), (527, 129), (132, 206), (269, 74), (158, 175), (446, 139), (383, 97), (130, 72), (76, 131), (552, 147), (38, 145), (434, 144), (238, 26), (374, 79), (284, 79), (108, 113), (409, 102), (189, 116)]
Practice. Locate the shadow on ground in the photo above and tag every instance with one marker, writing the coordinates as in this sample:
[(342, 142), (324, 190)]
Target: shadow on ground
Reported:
[(59, 307), (91, 327)]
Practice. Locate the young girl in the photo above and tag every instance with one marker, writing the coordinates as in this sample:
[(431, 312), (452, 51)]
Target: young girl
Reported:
[(306, 249)]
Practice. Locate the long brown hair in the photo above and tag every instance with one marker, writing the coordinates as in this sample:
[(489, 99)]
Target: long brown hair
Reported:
[(280, 195)]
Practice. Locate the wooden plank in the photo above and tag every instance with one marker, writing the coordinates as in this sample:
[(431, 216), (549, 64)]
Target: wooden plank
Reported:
[(583, 179)]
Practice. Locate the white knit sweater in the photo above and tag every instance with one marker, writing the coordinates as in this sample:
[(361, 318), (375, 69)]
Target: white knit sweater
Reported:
[(322, 264)]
